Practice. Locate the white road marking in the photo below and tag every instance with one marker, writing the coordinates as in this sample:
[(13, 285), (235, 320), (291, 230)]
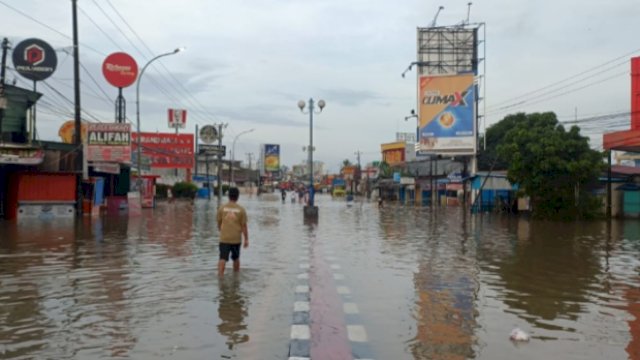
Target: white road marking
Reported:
[(356, 333), (338, 276), (343, 290), (301, 306), (304, 266), (303, 276), (300, 332), (350, 308), (302, 289), (335, 266)]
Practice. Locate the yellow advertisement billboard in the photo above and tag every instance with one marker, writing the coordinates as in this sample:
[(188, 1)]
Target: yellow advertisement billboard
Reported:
[(447, 114)]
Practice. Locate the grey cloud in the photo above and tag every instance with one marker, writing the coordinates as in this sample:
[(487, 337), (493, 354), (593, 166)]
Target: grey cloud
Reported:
[(348, 97)]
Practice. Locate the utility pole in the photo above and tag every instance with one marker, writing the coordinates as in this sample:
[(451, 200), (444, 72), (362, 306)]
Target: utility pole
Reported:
[(78, 124), (359, 173), (220, 127), (3, 68), (250, 156)]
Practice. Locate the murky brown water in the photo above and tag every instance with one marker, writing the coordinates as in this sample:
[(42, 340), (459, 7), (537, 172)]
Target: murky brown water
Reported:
[(429, 284)]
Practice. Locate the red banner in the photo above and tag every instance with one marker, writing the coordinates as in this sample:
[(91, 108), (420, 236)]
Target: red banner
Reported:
[(169, 151)]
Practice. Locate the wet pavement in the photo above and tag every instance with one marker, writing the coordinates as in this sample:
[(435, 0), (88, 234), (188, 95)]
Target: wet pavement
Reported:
[(391, 283)]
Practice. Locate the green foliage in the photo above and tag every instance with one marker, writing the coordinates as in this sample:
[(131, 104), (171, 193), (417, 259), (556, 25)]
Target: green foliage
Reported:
[(494, 137), (162, 190), (225, 189), (346, 162), (553, 166), (385, 170), (185, 190)]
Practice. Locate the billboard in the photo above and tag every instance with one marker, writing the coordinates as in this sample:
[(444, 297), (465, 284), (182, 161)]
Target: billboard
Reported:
[(271, 157), (109, 142), (447, 114), (168, 151), (447, 50)]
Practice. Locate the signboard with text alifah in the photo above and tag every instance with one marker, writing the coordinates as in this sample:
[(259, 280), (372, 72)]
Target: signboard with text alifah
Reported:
[(177, 118), (447, 114), (109, 142)]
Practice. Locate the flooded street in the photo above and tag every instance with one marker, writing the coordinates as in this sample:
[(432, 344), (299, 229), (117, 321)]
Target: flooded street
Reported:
[(391, 283)]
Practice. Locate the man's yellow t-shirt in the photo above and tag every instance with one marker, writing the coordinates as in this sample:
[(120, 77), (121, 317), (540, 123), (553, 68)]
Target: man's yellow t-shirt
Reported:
[(231, 219)]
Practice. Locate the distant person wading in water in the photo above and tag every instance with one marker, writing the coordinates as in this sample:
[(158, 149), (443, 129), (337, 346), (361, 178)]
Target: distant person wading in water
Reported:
[(232, 224)]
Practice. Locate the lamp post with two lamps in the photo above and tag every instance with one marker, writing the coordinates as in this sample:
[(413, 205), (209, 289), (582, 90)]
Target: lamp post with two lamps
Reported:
[(233, 153), (139, 147), (310, 210)]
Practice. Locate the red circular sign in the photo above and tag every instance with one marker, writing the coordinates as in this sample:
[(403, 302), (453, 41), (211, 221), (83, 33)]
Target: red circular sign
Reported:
[(120, 69)]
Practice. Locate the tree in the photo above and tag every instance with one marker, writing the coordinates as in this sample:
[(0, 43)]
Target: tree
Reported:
[(488, 157), (346, 163), (553, 166)]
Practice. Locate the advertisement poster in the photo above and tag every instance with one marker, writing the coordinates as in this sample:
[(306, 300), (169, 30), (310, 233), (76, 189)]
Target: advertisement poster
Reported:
[(447, 114), (109, 142), (271, 157), (169, 151)]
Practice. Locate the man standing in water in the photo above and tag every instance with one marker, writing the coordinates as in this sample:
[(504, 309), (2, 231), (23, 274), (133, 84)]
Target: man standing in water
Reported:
[(232, 224)]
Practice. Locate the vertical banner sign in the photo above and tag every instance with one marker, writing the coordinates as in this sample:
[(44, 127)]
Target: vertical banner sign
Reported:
[(271, 157), (109, 142), (447, 114), (177, 118)]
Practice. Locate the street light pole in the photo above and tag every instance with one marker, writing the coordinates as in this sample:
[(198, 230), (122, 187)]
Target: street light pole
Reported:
[(233, 152), (139, 147), (311, 209)]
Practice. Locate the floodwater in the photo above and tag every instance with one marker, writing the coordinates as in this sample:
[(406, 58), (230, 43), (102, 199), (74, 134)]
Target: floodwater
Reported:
[(428, 284)]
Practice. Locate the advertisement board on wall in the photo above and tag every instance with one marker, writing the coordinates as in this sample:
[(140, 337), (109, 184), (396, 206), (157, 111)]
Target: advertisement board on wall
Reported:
[(109, 142), (447, 114), (271, 158), (168, 151)]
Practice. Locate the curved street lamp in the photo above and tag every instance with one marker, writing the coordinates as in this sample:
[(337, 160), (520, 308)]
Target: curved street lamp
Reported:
[(310, 209), (233, 152), (139, 152)]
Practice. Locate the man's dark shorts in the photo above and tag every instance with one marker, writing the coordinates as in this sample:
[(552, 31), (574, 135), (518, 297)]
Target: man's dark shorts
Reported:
[(225, 249)]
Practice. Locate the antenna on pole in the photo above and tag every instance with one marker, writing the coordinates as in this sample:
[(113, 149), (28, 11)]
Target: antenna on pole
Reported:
[(435, 18), (468, 11)]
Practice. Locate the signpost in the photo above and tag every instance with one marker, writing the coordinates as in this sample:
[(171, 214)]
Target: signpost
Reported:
[(208, 135)]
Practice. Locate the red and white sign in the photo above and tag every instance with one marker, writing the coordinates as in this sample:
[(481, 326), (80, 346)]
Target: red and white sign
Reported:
[(120, 69), (177, 118), (168, 151)]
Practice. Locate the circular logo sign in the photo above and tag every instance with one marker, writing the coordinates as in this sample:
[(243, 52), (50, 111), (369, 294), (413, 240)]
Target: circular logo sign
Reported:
[(34, 59), (208, 134), (120, 69)]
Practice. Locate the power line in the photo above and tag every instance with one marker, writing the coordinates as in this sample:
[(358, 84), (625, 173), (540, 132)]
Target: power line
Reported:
[(47, 26), (507, 108), (186, 91), (161, 88), (555, 90), (569, 78)]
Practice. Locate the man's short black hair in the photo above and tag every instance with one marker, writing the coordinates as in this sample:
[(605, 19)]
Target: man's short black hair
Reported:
[(234, 193)]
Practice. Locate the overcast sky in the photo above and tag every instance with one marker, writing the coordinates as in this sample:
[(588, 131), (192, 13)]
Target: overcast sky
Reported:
[(248, 62)]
